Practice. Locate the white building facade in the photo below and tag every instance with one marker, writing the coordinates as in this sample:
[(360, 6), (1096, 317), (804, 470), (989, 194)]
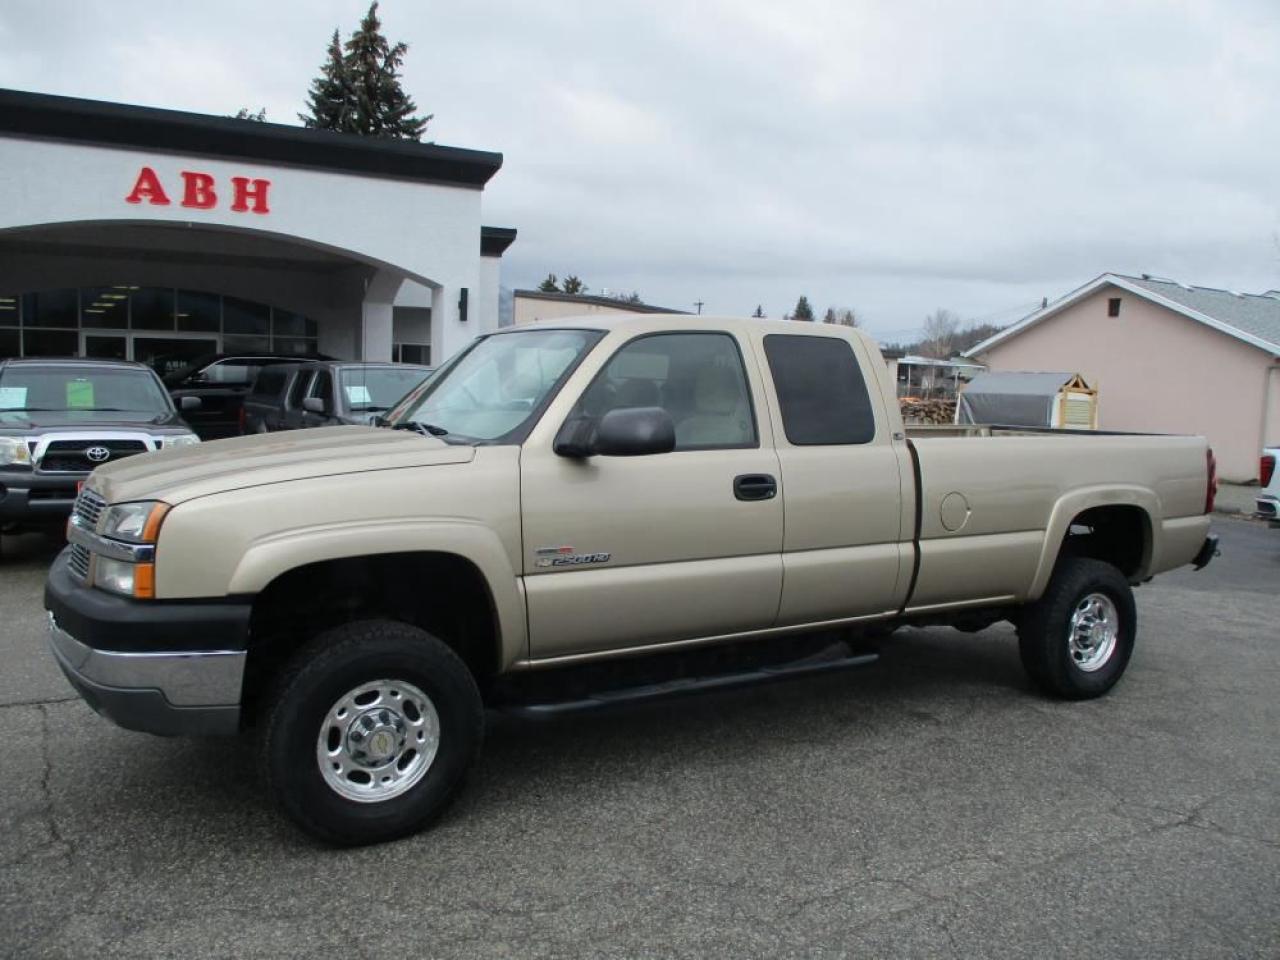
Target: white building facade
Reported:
[(157, 235)]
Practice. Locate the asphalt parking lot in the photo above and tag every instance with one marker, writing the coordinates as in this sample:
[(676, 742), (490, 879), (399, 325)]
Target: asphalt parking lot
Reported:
[(930, 805)]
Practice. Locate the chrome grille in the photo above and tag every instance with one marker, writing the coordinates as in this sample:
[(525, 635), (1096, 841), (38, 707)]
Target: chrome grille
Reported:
[(78, 561), (88, 508), (72, 456)]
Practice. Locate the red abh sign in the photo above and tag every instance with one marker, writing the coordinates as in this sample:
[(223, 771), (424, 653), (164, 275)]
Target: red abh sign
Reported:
[(198, 191)]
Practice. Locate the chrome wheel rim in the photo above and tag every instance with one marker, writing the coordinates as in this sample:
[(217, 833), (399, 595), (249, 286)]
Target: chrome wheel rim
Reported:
[(1095, 627), (378, 740)]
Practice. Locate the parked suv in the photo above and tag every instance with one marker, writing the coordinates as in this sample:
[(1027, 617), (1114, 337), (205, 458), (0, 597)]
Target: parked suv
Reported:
[(59, 419), (221, 382), (329, 394), (275, 394)]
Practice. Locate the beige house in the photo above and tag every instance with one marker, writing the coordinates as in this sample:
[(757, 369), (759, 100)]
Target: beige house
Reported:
[(1165, 357), (530, 306)]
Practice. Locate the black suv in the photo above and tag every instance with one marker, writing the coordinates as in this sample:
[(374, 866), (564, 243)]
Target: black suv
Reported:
[(221, 381), (275, 395), (328, 394), (61, 418)]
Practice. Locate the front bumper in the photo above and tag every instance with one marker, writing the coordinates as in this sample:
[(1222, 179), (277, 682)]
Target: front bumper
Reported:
[(169, 688), (30, 497)]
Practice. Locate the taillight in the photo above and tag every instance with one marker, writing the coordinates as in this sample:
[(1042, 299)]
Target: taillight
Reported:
[(1266, 470), (1211, 487)]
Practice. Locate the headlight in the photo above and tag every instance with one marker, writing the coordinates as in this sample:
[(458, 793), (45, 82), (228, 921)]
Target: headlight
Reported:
[(14, 450), (120, 576), (133, 522), (181, 440)]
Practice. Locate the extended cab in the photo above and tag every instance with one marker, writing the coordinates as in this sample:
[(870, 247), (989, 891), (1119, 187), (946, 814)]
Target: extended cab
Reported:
[(680, 501)]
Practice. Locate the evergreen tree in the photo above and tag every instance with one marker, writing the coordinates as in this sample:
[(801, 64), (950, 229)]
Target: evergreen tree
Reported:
[(358, 90), (258, 116), (830, 315), (550, 285), (759, 311), (329, 99), (803, 311), (573, 285)]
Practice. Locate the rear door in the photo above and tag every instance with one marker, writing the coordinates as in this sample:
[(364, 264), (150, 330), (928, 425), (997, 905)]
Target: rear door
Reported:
[(844, 473), (628, 551)]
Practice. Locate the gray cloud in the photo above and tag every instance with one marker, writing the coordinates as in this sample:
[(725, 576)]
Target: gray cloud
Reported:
[(891, 157)]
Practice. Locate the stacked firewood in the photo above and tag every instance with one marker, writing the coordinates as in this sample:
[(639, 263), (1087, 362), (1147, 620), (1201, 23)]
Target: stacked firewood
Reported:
[(915, 410)]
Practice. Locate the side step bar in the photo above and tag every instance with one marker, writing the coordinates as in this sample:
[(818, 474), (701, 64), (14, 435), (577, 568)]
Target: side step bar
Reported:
[(838, 657)]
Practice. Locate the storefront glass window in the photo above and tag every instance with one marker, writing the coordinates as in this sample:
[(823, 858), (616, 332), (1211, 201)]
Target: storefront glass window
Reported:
[(298, 346), (8, 311), (234, 344), (199, 312), (244, 316), (103, 307), (152, 308), (50, 308), (9, 346), (50, 343)]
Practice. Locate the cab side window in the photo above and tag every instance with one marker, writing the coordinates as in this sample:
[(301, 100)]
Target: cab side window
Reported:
[(299, 388), (698, 378), (322, 387)]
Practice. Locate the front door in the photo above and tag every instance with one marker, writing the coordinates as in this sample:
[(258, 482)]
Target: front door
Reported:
[(628, 551)]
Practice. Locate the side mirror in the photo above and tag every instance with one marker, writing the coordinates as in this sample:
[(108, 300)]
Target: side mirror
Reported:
[(190, 403), (627, 432), (313, 405)]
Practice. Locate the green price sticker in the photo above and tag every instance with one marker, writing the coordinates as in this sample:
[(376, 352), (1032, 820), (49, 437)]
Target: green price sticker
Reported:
[(79, 394)]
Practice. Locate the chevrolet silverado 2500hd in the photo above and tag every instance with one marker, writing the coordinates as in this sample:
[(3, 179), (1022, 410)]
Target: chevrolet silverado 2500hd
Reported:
[(681, 501)]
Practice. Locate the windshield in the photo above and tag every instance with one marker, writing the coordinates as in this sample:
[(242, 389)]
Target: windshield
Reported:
[(495, 387), (81, 393), (374, 389)]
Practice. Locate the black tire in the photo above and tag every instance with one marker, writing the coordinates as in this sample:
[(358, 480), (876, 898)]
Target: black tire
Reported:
[(321, 673), (1045, 630)]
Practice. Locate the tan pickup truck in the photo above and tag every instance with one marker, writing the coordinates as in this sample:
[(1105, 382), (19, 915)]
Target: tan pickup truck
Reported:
[(584, 513)]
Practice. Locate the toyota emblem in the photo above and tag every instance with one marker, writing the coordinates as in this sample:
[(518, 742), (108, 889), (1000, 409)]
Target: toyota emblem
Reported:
[(97, 454)]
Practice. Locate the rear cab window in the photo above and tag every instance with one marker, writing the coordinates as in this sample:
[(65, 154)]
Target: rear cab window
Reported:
[(822, 395)]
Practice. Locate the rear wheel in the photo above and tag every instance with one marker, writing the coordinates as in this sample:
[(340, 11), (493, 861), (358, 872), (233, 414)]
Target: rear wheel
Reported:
[(370, 732), (1076, 640)]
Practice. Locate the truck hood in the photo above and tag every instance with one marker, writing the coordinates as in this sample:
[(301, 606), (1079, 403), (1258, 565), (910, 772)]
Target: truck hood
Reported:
[(221, 465)]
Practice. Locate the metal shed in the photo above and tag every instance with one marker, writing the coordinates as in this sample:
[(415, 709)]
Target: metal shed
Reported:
[(1026, 399)]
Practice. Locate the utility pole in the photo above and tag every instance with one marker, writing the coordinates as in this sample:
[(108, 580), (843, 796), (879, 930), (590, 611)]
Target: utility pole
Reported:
[(698, 304)]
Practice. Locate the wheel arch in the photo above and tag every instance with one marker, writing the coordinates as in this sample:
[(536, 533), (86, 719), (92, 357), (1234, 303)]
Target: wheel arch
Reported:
[(462, 589), (1121, 526)]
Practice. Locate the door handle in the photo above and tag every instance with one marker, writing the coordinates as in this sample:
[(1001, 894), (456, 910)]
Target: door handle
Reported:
[(755, 486)]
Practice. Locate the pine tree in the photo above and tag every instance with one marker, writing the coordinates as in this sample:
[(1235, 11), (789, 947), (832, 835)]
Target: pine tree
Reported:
[(830, 315), (550, 285), (358, 90), (573, 285), (803, 311), (329, 99), (759, 311)]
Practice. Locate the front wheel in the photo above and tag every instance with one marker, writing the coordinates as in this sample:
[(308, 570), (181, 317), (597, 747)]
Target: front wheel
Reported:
[(1076, 640), (370, 732)]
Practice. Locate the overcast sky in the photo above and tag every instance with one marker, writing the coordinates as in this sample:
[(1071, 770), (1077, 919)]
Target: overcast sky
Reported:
[(892, 157)]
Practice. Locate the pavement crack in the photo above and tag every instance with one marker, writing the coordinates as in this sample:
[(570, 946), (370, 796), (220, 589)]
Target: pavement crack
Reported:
[(46, 773), (37, 703)]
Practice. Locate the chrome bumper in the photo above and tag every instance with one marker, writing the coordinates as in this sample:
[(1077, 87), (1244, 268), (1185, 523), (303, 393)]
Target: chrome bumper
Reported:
[(169, 693)]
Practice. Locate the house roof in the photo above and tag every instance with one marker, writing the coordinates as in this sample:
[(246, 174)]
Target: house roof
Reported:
[(1251, 317)]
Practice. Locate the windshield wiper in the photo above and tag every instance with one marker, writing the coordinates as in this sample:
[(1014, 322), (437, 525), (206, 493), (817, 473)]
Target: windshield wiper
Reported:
[(426, 429)]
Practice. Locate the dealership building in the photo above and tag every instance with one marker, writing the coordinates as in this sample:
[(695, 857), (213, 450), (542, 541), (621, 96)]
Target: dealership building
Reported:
[(158, 236)]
